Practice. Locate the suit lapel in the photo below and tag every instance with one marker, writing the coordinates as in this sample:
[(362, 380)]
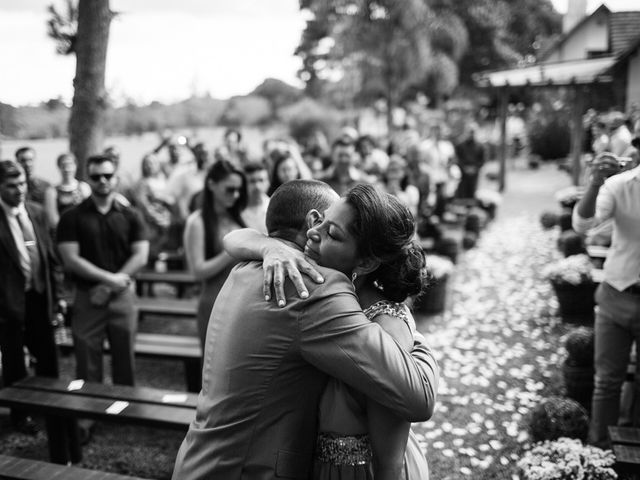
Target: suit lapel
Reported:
[(39, 231), (7, 239)]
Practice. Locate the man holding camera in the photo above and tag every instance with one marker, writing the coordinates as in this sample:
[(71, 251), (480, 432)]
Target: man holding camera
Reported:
[(613, 192)]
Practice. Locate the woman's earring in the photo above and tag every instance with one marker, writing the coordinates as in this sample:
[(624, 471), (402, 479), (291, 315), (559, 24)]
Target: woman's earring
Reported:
[(354, 276)]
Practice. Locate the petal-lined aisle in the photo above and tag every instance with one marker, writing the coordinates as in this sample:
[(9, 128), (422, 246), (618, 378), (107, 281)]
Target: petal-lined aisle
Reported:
[(499, 347)]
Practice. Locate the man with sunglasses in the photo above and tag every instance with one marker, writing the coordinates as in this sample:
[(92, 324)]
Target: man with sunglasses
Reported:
[(103, 243)]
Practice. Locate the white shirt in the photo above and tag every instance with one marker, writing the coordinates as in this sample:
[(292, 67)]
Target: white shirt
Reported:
[(16, 232), (618, 199)]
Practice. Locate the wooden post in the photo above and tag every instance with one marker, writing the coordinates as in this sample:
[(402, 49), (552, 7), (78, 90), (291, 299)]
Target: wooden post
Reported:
[(576, 133), (502, 153)]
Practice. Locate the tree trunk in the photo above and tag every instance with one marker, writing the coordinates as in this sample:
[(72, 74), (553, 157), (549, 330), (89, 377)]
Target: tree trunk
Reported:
[(86, 124)]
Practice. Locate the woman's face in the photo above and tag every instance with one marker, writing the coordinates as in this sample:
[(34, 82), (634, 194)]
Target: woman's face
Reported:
[(287, 170), (68, 167), (395, 171), (227, 191), (330, 243)]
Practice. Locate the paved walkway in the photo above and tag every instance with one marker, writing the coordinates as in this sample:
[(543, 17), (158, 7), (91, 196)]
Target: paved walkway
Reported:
[(499, 341)]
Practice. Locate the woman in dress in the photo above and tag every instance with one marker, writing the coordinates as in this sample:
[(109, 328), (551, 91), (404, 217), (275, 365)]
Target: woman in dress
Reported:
[(225, 196), (68, 193), (367, 235)]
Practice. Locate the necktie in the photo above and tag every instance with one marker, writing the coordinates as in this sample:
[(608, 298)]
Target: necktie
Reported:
[(33, 275)]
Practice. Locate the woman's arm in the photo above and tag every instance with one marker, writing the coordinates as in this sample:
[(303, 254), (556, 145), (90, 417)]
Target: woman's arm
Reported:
[(388, 432), (194, 251), (51, 207), (279, 261)]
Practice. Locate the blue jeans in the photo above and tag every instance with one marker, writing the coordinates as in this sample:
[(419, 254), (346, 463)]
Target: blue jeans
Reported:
[(617, 326)]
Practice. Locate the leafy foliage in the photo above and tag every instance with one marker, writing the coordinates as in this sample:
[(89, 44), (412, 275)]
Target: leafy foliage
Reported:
[(388, 47), (63, 27), (557, 417)]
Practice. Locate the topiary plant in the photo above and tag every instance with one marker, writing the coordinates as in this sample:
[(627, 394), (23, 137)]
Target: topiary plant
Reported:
[(548, 220), (580, 347), (557, 417)]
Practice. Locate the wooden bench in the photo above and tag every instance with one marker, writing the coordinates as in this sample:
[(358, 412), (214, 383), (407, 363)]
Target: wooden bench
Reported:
[(626, 447), (14, 468), (146, 279), (158, 346), (61, 402), (167, 307)]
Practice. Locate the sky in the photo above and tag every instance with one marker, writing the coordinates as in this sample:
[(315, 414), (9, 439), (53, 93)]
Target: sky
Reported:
[(167, 50)]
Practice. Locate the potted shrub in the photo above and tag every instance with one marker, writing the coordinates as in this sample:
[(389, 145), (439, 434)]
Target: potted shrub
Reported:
[(574, 286), (567, 459), (433, 299), (548, 220), (556, 417), (577, 368)]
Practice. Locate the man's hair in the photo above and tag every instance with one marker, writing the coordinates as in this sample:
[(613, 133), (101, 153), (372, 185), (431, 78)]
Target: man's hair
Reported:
[(254, 167), (100, 159), (291, 202), (342, 142), (10, 169), (22, 150)]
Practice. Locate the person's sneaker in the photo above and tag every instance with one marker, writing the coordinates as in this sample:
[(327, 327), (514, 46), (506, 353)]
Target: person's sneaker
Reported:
[(26, 425)]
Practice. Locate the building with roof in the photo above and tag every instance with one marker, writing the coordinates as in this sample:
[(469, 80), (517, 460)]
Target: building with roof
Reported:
[(598, 50)]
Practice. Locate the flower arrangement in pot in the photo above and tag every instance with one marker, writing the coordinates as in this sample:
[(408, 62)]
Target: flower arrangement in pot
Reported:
[(567, 459), (573, 284), (433, 299), (577, 368)]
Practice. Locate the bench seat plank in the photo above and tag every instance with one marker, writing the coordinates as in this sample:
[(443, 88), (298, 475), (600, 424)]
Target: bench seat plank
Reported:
[(155, 345), (13, 468), (115, 392), (626, 435), (69, 404), (627, 455), (174, 307)]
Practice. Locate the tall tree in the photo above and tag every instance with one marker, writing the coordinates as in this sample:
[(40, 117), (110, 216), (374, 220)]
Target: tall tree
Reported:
[(371, 48), (387, 47), (83, 30)]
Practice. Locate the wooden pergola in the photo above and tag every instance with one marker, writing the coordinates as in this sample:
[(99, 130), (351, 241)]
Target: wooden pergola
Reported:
[(578, 75)]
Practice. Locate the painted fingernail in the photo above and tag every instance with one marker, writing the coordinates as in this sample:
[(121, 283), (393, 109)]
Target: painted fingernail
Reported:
[(304, 294), (320, 279), (281, 303)]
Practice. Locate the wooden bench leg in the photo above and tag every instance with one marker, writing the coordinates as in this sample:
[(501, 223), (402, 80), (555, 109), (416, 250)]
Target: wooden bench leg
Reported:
[(64, 440), (193, 374)]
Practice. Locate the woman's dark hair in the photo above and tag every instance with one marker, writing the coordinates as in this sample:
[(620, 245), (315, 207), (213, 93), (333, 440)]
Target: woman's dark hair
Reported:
[(384, 229), (63, 156), (218, 172), (277, 157)]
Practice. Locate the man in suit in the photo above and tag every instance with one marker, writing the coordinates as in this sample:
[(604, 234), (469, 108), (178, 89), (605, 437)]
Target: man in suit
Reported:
[(36, 186), (28, 272), (265, 366)]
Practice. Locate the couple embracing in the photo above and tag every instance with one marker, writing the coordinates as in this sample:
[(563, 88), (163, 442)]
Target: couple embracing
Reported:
[(323, 386)]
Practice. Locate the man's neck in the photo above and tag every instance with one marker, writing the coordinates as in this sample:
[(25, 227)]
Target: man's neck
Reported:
[(257, 200), (103, 204)]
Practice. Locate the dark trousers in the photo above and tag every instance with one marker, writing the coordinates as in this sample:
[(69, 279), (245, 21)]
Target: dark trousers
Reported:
[(36, 333), (117, 321)]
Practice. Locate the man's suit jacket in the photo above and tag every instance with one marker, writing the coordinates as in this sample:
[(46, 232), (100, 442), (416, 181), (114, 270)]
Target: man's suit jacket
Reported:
[(12, 294), (265, 368)]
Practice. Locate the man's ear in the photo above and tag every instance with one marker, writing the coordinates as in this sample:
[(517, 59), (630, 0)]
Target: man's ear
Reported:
[(312, 218), (367, 266)]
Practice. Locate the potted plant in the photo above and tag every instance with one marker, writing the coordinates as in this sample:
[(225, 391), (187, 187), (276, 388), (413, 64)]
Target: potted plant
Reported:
[(577, 369), (556, 417), (574, 286), (433, 299), (567, 459)]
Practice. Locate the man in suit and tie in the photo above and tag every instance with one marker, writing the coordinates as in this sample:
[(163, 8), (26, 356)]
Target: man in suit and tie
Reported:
[(29, 271), (266, 366)]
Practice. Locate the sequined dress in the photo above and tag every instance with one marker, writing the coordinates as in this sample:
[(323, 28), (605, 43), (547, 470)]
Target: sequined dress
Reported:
[(343, 451)]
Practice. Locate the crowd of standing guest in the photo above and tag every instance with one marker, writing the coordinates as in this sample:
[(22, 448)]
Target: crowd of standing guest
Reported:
[(188, 196)]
